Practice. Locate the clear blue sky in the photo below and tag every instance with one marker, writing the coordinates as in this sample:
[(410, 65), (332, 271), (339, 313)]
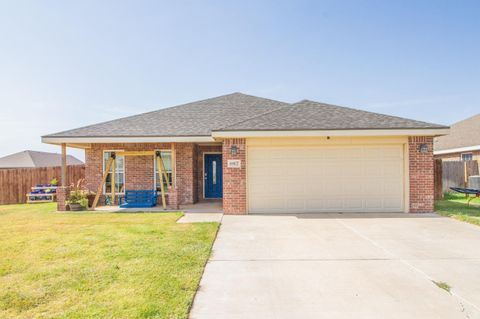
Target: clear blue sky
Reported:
[(65, 64)]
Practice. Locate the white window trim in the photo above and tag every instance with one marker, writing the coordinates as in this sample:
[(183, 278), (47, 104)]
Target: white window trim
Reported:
[(155, 165), (103, 171), (467, 153)]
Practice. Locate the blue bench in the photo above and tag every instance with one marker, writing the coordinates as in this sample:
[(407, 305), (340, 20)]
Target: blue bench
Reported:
[(139, 198)]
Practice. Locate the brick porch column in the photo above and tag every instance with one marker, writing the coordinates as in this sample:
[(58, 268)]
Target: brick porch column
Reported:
[(421, 170), (62, 194), (234, 179), (185, 173), (172, 199)]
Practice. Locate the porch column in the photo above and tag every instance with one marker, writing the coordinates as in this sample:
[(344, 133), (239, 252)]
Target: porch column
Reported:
[(64, 165), (185, 173), (62, 191), (172, 189)]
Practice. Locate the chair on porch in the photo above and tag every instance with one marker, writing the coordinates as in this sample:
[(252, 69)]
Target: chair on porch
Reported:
[(139, 198)]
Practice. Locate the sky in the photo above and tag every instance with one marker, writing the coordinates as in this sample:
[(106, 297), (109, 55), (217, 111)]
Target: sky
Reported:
[(66, 64)]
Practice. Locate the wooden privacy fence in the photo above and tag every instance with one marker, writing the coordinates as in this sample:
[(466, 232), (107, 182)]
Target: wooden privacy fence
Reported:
[(15, 183), (452, 174)]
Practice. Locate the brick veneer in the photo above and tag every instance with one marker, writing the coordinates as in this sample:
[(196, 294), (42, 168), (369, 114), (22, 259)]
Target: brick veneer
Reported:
[(62, 194), (234, 179), (189, 173), (186, 168), (421, 174), (139, 169)]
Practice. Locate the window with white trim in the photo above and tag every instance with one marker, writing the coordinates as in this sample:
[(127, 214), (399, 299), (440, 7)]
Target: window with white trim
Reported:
[(467, 156), (119, 173), (167, 163)]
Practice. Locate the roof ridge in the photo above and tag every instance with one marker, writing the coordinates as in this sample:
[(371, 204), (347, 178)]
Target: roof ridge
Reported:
[(253, 117), (28, 152), (258, 97)]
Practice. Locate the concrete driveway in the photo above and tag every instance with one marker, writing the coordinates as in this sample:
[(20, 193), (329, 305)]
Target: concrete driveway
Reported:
[(341, 266)]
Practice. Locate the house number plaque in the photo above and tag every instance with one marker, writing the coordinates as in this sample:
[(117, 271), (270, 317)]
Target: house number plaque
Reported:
[(234, 163)]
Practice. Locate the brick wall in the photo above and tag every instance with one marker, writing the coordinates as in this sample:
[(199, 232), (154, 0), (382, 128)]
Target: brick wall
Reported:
[(62, 194), (421, 167), (202, 149), (234, 179), (186, 170), (139, 172)]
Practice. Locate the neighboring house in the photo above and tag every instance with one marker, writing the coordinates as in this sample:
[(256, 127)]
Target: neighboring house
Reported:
[(462, 143), (266, 156), (32, 159)]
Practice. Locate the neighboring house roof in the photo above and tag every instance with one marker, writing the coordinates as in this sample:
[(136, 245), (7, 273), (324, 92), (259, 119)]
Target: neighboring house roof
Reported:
[(241, 112), (310, 115), (27, 159), (463, 136)]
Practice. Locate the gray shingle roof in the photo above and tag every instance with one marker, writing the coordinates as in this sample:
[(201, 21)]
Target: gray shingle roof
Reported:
[(192, 119), (462, 134), (310, 115), (239, 111), (27, 159)]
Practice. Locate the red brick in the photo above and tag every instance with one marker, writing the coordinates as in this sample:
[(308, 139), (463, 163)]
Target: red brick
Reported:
[(421, 175), (234, 179)]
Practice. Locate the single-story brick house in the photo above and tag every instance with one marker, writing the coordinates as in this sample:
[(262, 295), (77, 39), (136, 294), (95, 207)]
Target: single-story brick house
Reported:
[(462, 143), (265, 156)]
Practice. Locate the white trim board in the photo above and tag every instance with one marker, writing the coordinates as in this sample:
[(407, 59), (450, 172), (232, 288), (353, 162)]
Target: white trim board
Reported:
[(237, 134), (145, 139), (458, 150), (313, 133)]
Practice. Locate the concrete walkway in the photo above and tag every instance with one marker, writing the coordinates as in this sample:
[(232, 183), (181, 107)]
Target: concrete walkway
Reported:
[(341, 266)]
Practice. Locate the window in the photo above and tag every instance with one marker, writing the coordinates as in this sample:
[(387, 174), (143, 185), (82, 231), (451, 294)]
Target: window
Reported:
[(119, 174), (467, 157), (167, 162)]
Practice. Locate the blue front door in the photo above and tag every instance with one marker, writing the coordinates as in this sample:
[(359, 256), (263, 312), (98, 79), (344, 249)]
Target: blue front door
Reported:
[(213, 176)]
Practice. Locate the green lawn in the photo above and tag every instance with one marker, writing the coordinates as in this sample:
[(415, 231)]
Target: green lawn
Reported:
[(98, 265), (455, 205)]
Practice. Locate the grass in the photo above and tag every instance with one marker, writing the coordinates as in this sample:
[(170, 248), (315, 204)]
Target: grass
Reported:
[(99, 265), (455, 206)]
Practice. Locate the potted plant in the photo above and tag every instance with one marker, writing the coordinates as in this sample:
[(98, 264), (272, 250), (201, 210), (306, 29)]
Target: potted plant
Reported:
[(77, 199)]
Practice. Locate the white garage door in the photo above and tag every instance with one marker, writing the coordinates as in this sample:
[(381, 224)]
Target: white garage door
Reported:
[(366, 178)]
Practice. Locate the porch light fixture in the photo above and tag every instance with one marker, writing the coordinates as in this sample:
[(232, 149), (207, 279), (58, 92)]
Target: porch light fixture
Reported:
[(423, 148), (233, 150)]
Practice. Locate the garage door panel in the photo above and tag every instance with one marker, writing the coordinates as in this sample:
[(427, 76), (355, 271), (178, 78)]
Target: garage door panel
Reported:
[(365, 178), (296, 204), (333, 205), (392, 203), (373, 204), (354, 204)]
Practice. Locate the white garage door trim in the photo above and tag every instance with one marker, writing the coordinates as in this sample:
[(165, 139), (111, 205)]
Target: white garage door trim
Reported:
[(346, 197)]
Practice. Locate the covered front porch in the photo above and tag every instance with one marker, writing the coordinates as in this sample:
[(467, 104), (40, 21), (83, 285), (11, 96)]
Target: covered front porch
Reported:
[(190, 174)]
